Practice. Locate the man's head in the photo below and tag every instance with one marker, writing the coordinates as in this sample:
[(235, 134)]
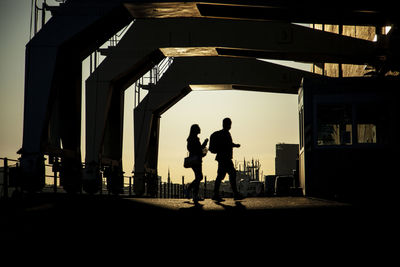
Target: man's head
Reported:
[(226, 124)]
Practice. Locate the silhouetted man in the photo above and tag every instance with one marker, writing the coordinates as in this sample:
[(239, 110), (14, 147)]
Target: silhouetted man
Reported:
[(224, 157)]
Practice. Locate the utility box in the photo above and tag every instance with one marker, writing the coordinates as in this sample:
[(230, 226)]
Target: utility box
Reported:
[(348, 137)]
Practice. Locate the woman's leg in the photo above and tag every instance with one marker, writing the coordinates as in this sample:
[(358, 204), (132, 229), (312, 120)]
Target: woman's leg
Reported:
[(198, 174)]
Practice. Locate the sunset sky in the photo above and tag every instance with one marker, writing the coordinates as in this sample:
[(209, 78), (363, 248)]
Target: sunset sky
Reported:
[(259, 120)]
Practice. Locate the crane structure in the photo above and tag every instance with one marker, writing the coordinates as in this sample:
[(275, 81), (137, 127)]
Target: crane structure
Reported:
[(214, 45)]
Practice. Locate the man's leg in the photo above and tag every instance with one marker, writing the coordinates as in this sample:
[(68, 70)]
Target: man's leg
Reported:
[(220, 176), (232, 179)]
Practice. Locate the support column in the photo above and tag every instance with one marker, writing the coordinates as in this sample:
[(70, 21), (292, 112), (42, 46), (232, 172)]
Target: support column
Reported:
[(98, 100), (39, 70), (69, 79), (52, 81), (112, 144), (147, 125), (143, 118)]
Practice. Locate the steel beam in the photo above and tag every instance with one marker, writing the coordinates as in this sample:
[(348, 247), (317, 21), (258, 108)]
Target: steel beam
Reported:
[(53, 88), (150, 40), (201, 73), (80, 26), (341, 12)]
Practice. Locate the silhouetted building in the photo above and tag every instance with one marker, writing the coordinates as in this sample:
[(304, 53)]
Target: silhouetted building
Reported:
[(285, 159), (348, 137)]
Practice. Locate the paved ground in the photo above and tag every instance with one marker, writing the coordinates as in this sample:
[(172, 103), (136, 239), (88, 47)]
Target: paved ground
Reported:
[(247, 204), (294, 223)]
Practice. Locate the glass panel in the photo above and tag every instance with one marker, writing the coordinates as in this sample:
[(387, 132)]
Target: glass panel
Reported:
[(328, 134), (334, 124), (366, 133), (368, 118)]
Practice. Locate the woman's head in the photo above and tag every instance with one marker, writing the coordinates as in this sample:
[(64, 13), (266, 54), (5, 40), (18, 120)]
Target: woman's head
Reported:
[(194, 129)]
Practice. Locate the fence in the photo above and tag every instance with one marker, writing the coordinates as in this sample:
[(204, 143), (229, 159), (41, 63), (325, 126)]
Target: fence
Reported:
[(170, 190), (7, 188), (52, 182), (9, 184)]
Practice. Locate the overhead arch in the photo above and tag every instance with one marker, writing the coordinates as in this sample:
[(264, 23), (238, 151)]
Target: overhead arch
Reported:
[(201, 73), (148, 41), (78, 27)]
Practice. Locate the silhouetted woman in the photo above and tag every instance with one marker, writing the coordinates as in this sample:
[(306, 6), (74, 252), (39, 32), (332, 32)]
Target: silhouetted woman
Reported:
[(196, 149)]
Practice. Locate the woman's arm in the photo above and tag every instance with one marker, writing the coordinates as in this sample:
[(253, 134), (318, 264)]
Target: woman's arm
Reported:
[(204, 143)]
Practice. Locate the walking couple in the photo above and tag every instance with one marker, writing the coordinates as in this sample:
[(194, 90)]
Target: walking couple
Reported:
[(222, 145)]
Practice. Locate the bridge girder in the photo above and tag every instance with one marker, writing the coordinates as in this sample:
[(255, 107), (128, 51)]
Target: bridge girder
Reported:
[(79, 27), (201, 73), (139, 51)]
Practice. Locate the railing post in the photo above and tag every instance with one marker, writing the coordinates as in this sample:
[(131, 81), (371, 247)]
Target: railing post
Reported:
[(130, 185), (175, 190), (5, 179), (205, 187), (55, 169), (101, 184), (168, 189), (160, 190), (183, 186)]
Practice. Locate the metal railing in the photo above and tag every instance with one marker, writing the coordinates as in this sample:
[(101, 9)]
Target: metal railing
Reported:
[(8, 184), (151, 78), (5, 186), (53, 183), (114, 40)]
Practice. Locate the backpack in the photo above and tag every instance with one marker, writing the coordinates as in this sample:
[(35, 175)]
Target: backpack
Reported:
[(214, 142)]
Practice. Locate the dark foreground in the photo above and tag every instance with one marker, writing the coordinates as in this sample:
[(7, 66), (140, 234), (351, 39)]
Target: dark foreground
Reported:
[(252, 224)]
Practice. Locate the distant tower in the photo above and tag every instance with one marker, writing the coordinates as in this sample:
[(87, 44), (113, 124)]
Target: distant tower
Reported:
[(169, 177)]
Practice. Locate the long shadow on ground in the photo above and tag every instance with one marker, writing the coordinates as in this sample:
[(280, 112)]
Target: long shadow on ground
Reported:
[(110, 219)]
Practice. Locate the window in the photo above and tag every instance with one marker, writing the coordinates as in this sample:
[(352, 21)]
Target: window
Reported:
[(334, 124), (366, 133), (367, 119)]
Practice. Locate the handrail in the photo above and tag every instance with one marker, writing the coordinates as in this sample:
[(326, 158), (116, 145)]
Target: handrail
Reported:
[(5, 183), (165, 189), (14, 160), (151, 78)]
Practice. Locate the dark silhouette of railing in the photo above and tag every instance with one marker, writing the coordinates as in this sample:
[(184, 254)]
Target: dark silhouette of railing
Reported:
[(9, 183)]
